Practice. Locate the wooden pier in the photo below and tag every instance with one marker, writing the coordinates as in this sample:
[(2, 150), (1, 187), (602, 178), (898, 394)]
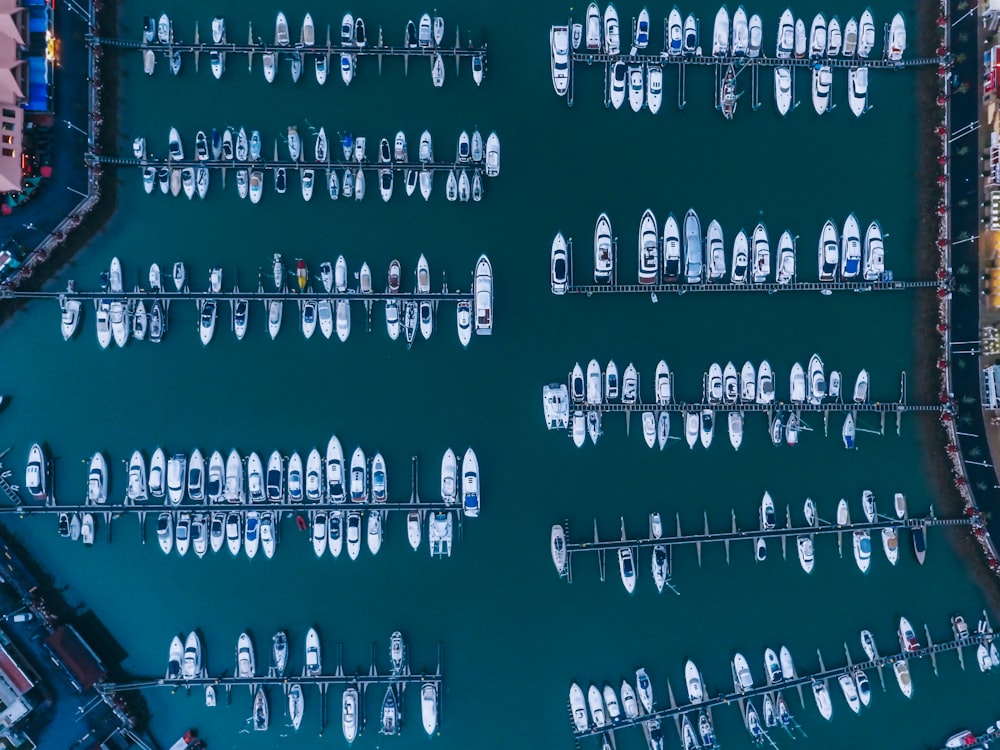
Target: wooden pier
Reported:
[(825, 675)]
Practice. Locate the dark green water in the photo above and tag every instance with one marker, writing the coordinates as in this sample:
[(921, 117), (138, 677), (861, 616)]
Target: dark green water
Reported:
[(514, 635)]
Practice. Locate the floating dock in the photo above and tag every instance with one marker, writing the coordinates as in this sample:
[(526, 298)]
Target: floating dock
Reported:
[(824, 675), (288, 164), (734, 534)]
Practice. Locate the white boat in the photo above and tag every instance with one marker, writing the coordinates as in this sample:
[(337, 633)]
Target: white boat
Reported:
[(850, 245), (866, 34), (785, 45), (675, 33), (765, 384), (809, 511), (636, 88), (714, 390), (630, 385), (890, 545), (390, 712), (660, 566), (429, 707), (693, 253), (353, 535), (849, 430), (191, 665), (833, 38), (805, 548), (611, 384), (756, 32), (424, 38), (86, 528), (817, 37), (864, 689), (691, 427), (165, 531), (559, 53), (347, 64), (874, 253), (294, 480), (742, 679), (664, 384), (706, 427), (603, 259), (234, 532), (862, 550), (768, 518), (234, 478), (983, 658), (483, 288), (772, 667), (787, 664), (648, 248), (594, 393), (716, 252), (314, 662), (449, 477), (611, 704), (626, 567), (644, 689), (471, 499), (36, 474), (335, 492), (629, 704), (335, 532), (829, 254), (822, 85), (612, 40), (654, 88), (649, 428), (164, 30), (816, 385), (783, 89), (822, 696), (245, 662), (896, 42), (593, 28), (907, 637), (437, 70), (374, 532), (850, 46), (857, 90), (720, 33), (559, 265), (902, 672), (266, 532), (741, 33), (349, 714), (595, 701), (730, 383), (314, 477), (617, 83), (693, 681), (752, 721), (785, 265), (281, 38), (691, 36), (739, 272), (295, 705), (97, 480)]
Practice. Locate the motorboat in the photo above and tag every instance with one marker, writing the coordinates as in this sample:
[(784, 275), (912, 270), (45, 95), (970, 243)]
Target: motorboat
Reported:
[(890, 544), (295, 705), (862, 549), (772, 667), (671, 251), (97, 480), (483, 289), (727, 93), (902, 672), (785, 265), (349, 714), (636, 88), (783, 89), (850, 243), (907, 637), (335, 471), (626, 567), (765, 384), (313, 662), (818, 37), (787, 664), (705, 730), (559, 53), (612, 41), (822, 696), (742, 679), (36, 474), (691, 36), (834, 39), (648, 249), (768, 518), (233, 481), (644, 689), (245, 663), (816, 386), (829, 255), (649, 428), (716, 252), (805, 548), (195, 476), (437, 70), (866, 34), (321, 66), (424, 38), (603, 258), (919, 543), (191, 667), (741, 33), (752, 720), (850, 45), (335, 532), (70, 319), (693, 255), (714, 391), (255, 186), (266, 532), (660, 566), (707, 427), (429, 707), (479, 64), (314, 477), (630, 385), (174, 659), (874, 253), (347, 64), (822, 85), (157, 473), (164, 30), (849, 430), (164, 531), (558, 548), (809, 511), (756, 31), (559, 265), (675, 33), (593, 383), (617, 83), (896, 43), (593, 28), (857, 90), (255, 479), (693, 681), (294, 480), (281, 38), (785, 46), (654, 88), (611, 704), (720, 33), (691, 427), (748, 383), (87, 528), (664, 384), (741, 259), (471, 500), (730, 384), (449, 477), (863, 688), (374, 532), (629, 704), (611, 385)]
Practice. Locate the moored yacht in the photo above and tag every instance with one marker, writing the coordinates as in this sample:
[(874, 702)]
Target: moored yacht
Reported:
[(822, 86), (874, 253), (857, 90), (693, 248), (648, 249), (603, 258), (829, 255)]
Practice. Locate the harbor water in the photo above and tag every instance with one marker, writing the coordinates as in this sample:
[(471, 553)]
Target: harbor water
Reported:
[(514, 635)]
